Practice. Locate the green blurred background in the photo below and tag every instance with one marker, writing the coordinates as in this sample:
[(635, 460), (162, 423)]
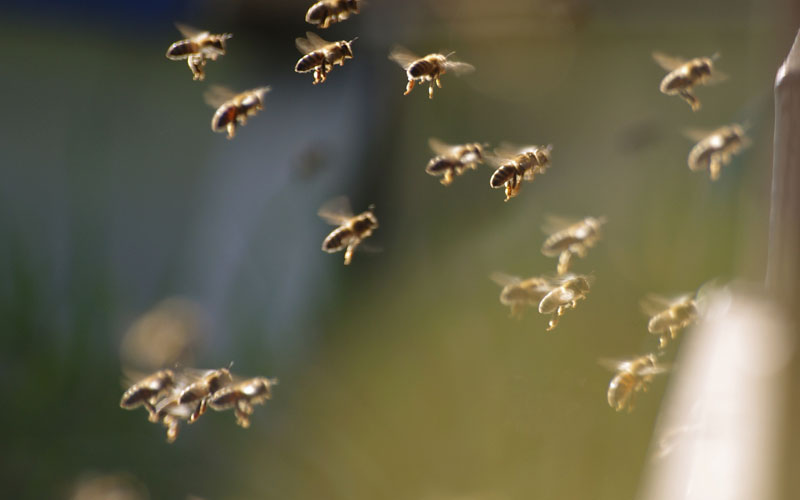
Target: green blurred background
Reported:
[(401, 376)]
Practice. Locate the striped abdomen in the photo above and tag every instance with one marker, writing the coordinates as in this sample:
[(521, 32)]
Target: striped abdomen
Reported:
[(225, 114), (182, 49), (503, 174), (441, 164), (338, 239), (425, 67), (310, 61), (560, 242)]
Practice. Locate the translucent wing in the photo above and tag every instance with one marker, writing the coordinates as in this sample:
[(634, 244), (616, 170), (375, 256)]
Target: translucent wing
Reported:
[(190, 32), (402, 56), (503, 279), (459, 68), (507, 150), (336, 211), (555, 223), (440, 148), (612, 364), (669, 63), (716, 77), (217, 95), (697, 134), (315, 40)]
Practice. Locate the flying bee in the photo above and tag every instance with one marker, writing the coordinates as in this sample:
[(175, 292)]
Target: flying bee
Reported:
[(668, 316), (147, 391), (715, 149), (199, 391), (170, 413), (321, 56), (518, 293), (565, 294), (514, 164), (326, 12), (233, 109), (633, 375), (452, 161), (352, 230), (197, 48), (568, 238), (685, 74), (428, 68), (242, 396)]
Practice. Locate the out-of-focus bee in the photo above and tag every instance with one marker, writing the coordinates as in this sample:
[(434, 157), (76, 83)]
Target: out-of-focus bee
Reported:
[(668, 316), (233, 109), (242, 396), (452, 161), (565, 294), (198, 47), (513, 165), (198, 392), (633, 375), (147, 391), (685, 74), (352, 230), (567, 238), (428, 68), (170, 413), (518, 293), (326, 12), (320, 55), (714, 149)]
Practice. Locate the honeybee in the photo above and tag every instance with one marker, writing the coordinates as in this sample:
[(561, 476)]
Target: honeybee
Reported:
[(201, 389), (685, 74), (147, 391), (513, 165), (326, 12), (633, 375), (567, 238), (198, 47), (352, 230), (233, 109), (714, 149), (428, 68), (321, 56), (667, 317), (242, 396), (170, 413), (518, 293), (451, 160), (565, 294)]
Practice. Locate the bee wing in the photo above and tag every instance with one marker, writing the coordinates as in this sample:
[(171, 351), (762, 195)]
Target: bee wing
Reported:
[(315, 40), (655, 370), (459, 68), (612, 364), (336, 211), (217, 95), (669, 63), (189, 31), (402, 56), (716, 77), (555, 223), (697, 134), (503, 279), (507, 150), (653, 304), (441, 148)]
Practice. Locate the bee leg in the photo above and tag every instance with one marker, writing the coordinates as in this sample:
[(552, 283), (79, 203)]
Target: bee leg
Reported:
[(198, 412), (516, 310), (714, 167), (172, 426), (663, 340), (430, 90), (348, 253), (690, 98), (242, 411), (552, 323), (409, 86), (448, 177), (563, 262), (231, 129)]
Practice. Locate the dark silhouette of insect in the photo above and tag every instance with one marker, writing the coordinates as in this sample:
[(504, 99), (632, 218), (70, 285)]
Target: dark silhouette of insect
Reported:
[(684, 75), (427, 69), (197, 48), (352, 230), (513, 165), (242, 396), (326, 12), (233, 109), (320, 56)]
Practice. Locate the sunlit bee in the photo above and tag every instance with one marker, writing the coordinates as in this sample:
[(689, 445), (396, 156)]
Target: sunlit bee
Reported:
[(452, 160), (233, 109), (633, 375), (514, 165), (242, 396), (518, 293), (568, 238), (326, 12), (428, 68), (198, 392), (197, 48), (352, 230), (566, 293), (170, 413), (685, 74), (715, 149), (320, 56), (147, 391), (669, 316)]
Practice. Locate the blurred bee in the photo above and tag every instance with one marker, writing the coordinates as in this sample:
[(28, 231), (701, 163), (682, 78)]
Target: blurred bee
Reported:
[(198, 47), (451, 161), (147, 391), (242, 396), (668, 316), (513, 165), (714, 149), (565, 294), (428, 68), (198, 392), (518, 293), (567, 238), (684, 75), (326, 12), (352, 230), (320, 55), (233, 109), (170, 413), (633, 375)]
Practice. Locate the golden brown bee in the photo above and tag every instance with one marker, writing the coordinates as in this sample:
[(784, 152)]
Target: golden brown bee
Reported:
[(320, 55), (513, 165), (668, 316), (233, 109), (198, 391), (428, 68), (565, 294), (452, 161), (714, 149), (567, 238), (242, 396), (198, 47), (326, 12), (352, 230), (518, 293), (147, 391), (633, 375), (685, 74), (170, 413)]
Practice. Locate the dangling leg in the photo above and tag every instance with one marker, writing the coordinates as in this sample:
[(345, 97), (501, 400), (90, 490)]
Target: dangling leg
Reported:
[(687, 96), (714, 167), (430, 90), (448, 178), (231, 129), (438, 82), (409, 86), (564, 260), (348, 254)]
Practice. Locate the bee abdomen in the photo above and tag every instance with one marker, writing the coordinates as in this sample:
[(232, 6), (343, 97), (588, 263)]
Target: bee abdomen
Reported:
[(224, 115), (439, 164), (318, 13), (420, 68), (337, 240), (181, 49), (309, 61), (675, 83), (502, 175), (700, 157)]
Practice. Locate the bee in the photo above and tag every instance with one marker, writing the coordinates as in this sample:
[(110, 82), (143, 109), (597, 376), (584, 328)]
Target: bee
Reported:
[(321, 56), (667, 317), (633, 375), (198, 47), (233, 109), (567, 238), (513, 165), (714, 149), (201, 389), (565, 294), (452, 161), (518, 293), (326, 12), (170, 413), (352, 230), (242, 396), (684, 75), (428, 68), (147, 391)]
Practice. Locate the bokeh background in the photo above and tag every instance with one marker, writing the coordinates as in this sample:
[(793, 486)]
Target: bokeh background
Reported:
[(401, 376)]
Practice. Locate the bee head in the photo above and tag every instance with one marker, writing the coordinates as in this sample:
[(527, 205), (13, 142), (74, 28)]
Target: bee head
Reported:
[(346, 48)]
